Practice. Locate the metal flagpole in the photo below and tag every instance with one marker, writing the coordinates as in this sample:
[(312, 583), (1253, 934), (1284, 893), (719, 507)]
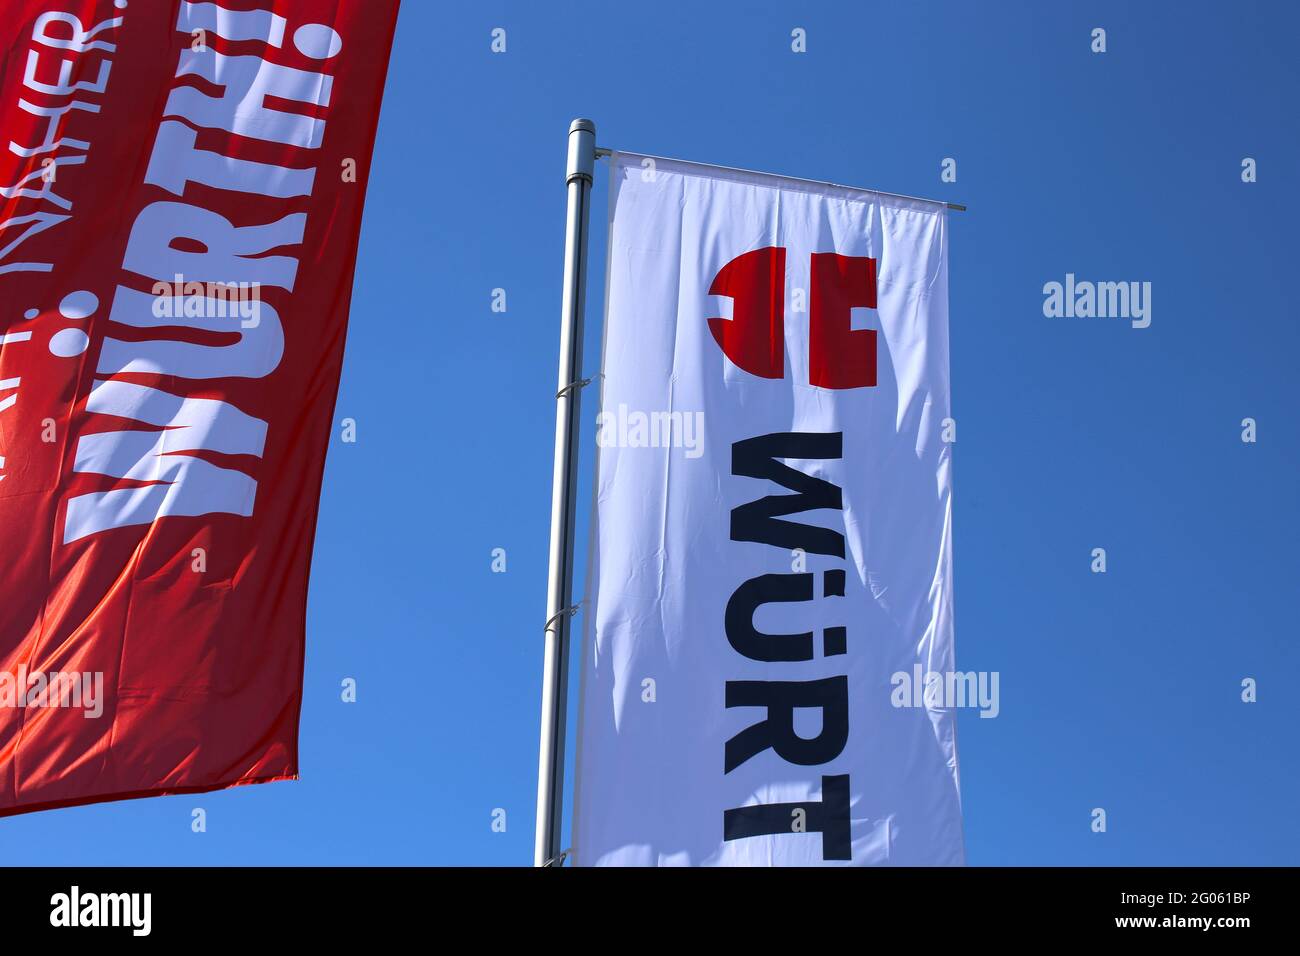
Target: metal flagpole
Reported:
[(555, 672)]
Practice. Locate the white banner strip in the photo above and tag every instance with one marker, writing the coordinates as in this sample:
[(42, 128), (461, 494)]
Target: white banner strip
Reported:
[(769, 643)]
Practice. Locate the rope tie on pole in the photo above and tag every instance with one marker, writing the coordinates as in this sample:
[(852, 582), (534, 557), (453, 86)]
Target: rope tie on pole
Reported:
[(570, 611), (572, 387), (559, 858)]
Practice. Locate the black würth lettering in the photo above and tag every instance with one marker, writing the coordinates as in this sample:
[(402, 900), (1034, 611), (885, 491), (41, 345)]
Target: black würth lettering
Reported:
[(761, 521)]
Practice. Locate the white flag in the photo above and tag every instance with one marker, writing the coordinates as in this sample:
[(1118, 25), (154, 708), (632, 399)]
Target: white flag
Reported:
[(771, 575)]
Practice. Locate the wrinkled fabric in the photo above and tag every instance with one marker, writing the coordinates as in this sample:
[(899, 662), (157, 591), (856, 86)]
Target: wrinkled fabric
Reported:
[(719, 311), (161, 450)]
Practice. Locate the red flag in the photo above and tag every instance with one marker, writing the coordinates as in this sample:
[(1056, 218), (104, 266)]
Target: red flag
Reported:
[(181, 187)]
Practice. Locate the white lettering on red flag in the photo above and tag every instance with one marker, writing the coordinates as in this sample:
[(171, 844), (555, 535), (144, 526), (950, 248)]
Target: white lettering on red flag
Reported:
[(176, 248)]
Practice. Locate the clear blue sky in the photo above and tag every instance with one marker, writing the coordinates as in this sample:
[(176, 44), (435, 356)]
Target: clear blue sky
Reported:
[(1119, 690)]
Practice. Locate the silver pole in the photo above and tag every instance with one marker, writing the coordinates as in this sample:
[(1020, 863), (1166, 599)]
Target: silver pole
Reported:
[(559, 588)]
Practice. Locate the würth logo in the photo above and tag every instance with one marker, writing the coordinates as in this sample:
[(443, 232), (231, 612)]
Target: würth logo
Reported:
[(839, 356)]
